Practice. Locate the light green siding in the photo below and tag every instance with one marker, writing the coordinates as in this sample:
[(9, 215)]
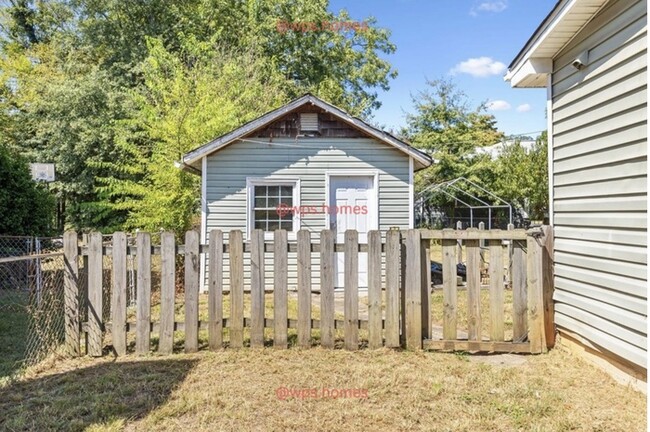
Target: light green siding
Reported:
[(599, 183), (306, 159)]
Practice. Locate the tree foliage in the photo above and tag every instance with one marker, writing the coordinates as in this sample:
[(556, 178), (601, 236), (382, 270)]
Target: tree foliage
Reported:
[(113, 91), (27, 208), (521, 177)]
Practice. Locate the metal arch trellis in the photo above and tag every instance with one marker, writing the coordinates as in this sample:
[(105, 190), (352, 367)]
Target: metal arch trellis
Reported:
[(452, 184)]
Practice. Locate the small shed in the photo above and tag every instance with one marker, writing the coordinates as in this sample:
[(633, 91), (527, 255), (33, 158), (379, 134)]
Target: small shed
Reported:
[(591, 56), (306, 165)]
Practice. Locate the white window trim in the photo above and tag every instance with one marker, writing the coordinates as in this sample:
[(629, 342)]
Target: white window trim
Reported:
[(251, 182), (374, 195)]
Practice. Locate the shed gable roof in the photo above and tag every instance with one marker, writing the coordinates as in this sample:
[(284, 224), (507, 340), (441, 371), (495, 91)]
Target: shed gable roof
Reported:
[(192, 160)]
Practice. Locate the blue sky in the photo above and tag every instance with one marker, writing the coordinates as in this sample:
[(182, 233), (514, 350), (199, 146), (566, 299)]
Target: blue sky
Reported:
[(472, 41)]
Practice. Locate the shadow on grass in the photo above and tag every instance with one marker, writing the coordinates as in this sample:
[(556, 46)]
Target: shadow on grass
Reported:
[(106, 393), (14, 321)]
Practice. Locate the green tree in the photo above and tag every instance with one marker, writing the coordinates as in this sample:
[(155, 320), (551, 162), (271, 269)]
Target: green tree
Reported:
[(445, 125), (179, 107), (521, 177), (27, 207)]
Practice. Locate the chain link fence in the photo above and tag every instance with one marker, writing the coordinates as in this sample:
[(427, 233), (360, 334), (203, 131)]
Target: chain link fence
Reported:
[(31, 301)]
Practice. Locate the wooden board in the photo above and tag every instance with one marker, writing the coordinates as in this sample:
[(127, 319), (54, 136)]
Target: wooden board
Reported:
[(304, 288), (143, 287), (374, 290), (463, 345), (536, 334), (425, 286), (95, 295), (497, 310), (236, 254), (167, 292), (118, 294), (519, 292), (413, 292), (473, 270), (548, 285), (257, 288), (280, 271), (215, 290), (192, 271), (449, 290), (71, 293), (351, 290), (393, 269), (327, 263)]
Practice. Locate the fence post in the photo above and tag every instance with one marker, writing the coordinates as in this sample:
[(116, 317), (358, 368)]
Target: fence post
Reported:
[(328, 275), (95, 291), (548, 285), (413, 294), (118, 294), (495, 268), (71, 292), (536, 334), (519, 292)]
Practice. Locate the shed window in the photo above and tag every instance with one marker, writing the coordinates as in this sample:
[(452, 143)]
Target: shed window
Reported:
[(271, 205)]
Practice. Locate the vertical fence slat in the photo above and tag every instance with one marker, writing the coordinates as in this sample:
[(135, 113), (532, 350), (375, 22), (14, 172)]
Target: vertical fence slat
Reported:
[(327, 272), (71, 292), (548, 286), (496, 291), (215, 290), (519, 292), (280, 274), (143, 297), (402, 291), (413, 312), (236, 254), (95, 294), (167, 292), (304, 288), (351, 290), (449, 290), (393, 269), (425, 284), (257, 288), (374, 290), (536, 335), (191, 291), (473, 271), (118, 294)]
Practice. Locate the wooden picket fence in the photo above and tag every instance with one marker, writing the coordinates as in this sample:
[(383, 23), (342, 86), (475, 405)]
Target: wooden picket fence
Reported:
[(399, 318)]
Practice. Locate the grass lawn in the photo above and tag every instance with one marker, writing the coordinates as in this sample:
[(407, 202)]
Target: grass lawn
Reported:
[(234, 390), (14, 322)]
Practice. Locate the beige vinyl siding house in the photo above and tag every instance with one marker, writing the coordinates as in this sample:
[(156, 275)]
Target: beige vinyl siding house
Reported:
[(591, 55), (307, 154)]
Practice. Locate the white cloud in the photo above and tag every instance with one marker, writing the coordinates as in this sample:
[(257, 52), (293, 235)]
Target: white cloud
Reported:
[(498, 105), (479, 67), (489, 6), (524, 108)]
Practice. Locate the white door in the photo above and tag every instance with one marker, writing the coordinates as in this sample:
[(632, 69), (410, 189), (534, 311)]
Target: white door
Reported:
[(350, 208)]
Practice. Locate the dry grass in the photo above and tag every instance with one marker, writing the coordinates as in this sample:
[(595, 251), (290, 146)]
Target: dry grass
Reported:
[(234, 390)]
